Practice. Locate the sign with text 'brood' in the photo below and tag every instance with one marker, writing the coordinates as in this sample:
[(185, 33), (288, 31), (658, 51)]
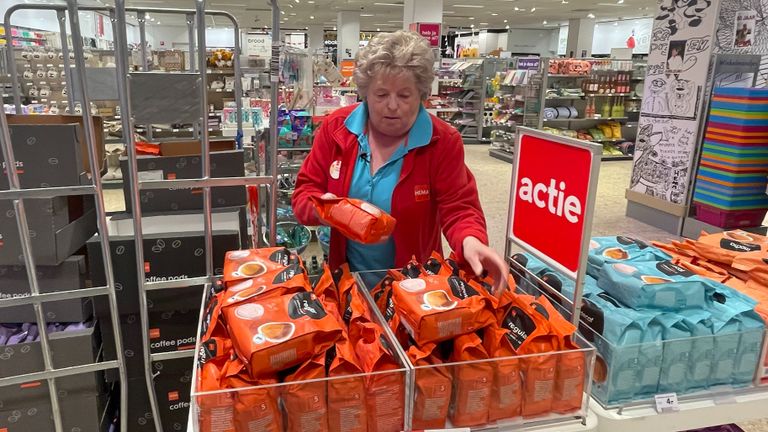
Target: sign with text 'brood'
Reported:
[(552, 197)]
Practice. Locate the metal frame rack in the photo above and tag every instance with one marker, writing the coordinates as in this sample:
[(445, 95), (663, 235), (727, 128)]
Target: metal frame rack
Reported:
[(124, 82)]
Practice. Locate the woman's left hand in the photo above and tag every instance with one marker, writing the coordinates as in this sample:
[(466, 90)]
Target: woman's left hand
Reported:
[(480, 257)]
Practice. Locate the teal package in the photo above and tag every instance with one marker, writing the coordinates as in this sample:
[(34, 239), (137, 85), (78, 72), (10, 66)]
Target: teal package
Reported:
[(618, 249), (735, 321), (554, 279), (658, 285), (617, 333), (678, 350), (651, 353), (699, 322), (590, 288)]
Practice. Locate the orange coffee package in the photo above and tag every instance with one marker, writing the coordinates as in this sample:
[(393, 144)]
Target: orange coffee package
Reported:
[(433, 388), (356, 219), (725, 246), (276, 333), (506, 390), (472, 382), (290, 280), (305, 404), (755, 264), (346, 396), (382, 295), (216, 410), (438, 308), (256, 409), (384, 392), (325, 287), (529, 333), (252, 263), (571, 365)]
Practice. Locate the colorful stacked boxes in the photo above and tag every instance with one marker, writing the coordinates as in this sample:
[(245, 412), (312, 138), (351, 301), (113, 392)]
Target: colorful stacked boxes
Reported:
[(733, 174)]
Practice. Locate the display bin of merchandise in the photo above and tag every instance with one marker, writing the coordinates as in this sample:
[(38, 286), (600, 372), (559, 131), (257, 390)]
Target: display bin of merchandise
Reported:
[(325, 393), (482, 386)]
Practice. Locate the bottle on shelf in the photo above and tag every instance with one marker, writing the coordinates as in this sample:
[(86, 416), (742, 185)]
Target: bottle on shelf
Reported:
[(590, 111), (606, 108), (595, 84), (613, 83), (601, 85)]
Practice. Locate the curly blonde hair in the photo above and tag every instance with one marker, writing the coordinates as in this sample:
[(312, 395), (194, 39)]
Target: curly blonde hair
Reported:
[(395, 53)]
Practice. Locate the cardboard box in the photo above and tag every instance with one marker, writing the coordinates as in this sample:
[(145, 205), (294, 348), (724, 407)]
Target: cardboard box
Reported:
[(69, 348), (223, 164), (166, 257), (78, 413), (173, 384), (82, 150), (168, 331), (69, 275), (58, 228), (193, 148)]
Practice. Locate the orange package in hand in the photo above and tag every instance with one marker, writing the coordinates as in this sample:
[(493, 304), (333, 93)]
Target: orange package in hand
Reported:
[(433, 388), (436, 308), (472, 382), (356, 219), (506, 391), (256, 409), (571, 363), (252, 263), (276, 333), (305, 404), (346, 396), (725, 246), (384, 392)]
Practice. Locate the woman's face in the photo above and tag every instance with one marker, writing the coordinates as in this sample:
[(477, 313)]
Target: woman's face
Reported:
[(393, 103)]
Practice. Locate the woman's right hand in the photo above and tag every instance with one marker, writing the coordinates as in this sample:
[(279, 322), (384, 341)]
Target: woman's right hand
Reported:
[(328, 195)]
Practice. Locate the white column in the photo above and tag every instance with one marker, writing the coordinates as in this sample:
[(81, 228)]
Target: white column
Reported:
[(348, 34), (316, 36), (415, 11), (580, 34)]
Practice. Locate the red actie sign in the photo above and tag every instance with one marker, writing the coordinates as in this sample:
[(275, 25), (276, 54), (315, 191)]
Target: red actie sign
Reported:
[(550, 197)]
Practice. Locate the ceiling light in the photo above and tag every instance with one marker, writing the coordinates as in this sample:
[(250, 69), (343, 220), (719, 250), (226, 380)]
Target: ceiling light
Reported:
[(448, 12), (505, 20), (468, 6), (544, 22), (334, 27), (223, 4), (366, 15), (282, 12), (471, 18), (290, 5), (310, 1), (472, 26), (494, 14), (378, 29), (293, 13), (159, 23), (507, 27), (311, 17), (591, 15), (517, 8), (389, 4), (616, 23), (533, 9), (619, 1)]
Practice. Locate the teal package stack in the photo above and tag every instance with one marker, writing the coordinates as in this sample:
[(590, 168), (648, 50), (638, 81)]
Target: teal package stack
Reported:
[(731, 184)]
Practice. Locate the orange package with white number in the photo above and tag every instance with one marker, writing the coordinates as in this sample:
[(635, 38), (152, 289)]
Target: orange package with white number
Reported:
[(724, 247), (253, 263), (384, 392), (433, 388), (276, 333), (216, 410), (305, 403), (346, 396), (472, 382), (529, 333), (571, 363), (256, 409), (506, 391), (438, 308), (356, 219)]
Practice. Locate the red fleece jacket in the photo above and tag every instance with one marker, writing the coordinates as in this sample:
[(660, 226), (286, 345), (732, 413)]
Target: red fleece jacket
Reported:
[(436, 191)]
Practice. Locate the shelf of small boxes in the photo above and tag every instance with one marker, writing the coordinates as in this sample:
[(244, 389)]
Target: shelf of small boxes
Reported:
[(418, 348), (663, 323)]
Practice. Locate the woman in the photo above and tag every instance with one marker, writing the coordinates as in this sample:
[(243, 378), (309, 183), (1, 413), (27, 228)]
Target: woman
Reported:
[(390, 152)]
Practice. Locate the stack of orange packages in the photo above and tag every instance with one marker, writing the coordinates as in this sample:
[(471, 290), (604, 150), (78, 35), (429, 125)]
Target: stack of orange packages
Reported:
[(735, 258), (279, 344), (466, 343)]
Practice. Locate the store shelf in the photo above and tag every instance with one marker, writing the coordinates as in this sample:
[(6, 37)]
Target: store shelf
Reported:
[(586, 119), (606, 158), (607, 94), (695, 412), (222, 90), (576, 97), (502, 155)]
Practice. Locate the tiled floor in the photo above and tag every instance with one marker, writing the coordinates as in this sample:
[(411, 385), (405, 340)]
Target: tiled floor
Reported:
[(493, 180)]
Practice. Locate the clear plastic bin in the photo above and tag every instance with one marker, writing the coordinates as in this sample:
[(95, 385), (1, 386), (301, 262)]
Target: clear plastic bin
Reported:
[(510, 391), (378, 401)]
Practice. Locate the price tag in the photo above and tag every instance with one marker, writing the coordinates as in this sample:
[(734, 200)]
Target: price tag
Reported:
[(667, 402)]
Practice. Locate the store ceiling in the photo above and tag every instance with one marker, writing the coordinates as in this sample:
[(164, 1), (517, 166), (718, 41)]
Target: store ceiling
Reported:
[(388, 14)]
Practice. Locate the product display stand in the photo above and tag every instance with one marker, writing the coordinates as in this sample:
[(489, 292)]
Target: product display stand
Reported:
[(35, 298)]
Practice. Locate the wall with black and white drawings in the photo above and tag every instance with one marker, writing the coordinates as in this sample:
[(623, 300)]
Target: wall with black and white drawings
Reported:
[(678, 62)]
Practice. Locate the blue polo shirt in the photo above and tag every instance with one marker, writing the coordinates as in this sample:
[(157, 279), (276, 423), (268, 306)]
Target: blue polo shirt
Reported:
[(377, 188)]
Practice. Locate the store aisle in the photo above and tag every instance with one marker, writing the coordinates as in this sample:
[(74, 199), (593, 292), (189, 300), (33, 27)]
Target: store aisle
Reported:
[(494, 177)]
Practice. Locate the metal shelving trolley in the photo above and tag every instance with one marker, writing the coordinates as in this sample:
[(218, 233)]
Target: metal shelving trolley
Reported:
[(144, 98)]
